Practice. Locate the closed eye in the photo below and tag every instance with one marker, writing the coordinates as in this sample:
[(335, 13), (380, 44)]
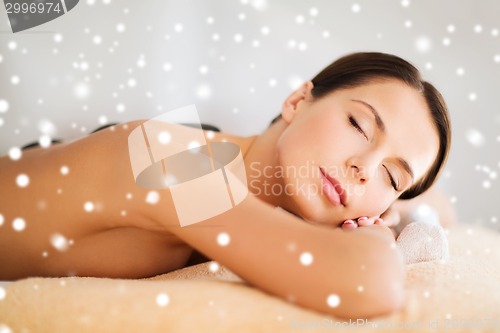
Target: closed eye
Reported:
[(354, 123), (393, 183)]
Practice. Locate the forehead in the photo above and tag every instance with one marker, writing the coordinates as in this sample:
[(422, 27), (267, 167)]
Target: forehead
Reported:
[(410, 130)]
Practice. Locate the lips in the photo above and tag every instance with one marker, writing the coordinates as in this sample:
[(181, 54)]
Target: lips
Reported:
[(332, 189)]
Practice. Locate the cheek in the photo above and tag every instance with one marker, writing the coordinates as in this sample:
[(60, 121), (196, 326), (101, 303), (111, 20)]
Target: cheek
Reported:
[(371, 201)]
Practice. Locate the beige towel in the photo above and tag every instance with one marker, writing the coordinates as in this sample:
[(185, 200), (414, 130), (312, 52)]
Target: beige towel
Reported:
[(460, 295)]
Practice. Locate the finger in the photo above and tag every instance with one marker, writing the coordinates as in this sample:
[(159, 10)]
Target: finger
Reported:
[(349, 225), (364, 221)]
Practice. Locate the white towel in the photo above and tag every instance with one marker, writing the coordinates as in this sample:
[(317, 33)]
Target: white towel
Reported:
[(421, 236)]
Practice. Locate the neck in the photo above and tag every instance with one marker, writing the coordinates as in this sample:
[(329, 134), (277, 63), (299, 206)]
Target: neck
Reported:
[(261, 161)]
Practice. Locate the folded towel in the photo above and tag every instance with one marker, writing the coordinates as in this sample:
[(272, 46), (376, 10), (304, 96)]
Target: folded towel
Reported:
[(421, 237)]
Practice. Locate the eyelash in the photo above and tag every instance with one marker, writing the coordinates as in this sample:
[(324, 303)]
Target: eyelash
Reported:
[(360, 130)]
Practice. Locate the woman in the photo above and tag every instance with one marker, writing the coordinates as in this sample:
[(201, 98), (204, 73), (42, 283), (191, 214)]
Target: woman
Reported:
[(366, 129)]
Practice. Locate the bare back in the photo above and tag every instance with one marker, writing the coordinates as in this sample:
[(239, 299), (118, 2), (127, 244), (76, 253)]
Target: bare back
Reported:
[(79, 213)]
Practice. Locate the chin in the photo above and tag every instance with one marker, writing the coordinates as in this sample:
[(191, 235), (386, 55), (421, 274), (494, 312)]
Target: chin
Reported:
[(313, 211)]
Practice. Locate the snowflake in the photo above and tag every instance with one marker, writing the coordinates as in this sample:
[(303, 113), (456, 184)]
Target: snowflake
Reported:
[(18, 224), (22, 180), (306, 258), (223, 239), (152, 197), (333, 300)]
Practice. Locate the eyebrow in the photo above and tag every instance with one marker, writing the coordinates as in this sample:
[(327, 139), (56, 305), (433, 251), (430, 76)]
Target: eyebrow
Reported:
[(381, 127)]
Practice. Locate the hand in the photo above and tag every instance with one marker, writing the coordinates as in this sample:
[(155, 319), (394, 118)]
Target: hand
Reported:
[(362, 221), (389, 218)]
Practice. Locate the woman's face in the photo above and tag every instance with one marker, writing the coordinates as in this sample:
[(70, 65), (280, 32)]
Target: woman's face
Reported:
[(340, 134)]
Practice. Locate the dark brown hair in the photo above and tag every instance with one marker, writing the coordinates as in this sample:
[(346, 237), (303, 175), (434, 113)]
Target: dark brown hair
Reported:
[(356, 69)]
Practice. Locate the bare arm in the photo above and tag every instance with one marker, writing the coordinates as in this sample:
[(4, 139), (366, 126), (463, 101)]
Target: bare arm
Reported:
[(266, 245)]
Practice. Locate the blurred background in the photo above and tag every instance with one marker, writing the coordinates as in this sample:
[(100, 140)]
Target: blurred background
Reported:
[(112, 61)]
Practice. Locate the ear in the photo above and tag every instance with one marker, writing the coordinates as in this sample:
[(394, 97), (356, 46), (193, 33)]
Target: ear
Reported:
[(291, 105)]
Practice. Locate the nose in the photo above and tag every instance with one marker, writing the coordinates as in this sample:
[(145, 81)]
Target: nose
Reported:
[(360, 174)]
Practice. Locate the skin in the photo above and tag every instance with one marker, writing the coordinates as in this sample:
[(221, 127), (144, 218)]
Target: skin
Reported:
[(358, 161), (126, 237)]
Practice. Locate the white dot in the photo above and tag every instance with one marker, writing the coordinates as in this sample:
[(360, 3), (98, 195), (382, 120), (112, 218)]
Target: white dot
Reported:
[(223, 239), (361, 289), (265, 30), (103, 120), (153, 197), (446, 41), (167, 67), (47, 127), (460, 71), (213, 266), (272, 82), (4, 106), (333, 300), (475, 137), (428, 65), (215, 37), (14, 79), (496, 58), (18, 224), (131, 82), (326, 34), (12, 45), (88, 206), (450, 28), (203, 91), (210, 20), (164, 137), (486, 184), (238, 38), (81, 90), (59, 242), (210, 134), (129, 196), (241, 16), (356, 8), (299, 19), (162, 299), (58, 38), (494, 32), (306, 258), (2, 294), (178, 27), (97, 40), (1, 219), (472, 96), (294, 82), (22, 180), (408, 24), (478, 28), (423, 44), (302, 46), (45, 141), (141, 62), (120, 27), (120, 108), (15, 153), (64, 170), (405, 3), (203, 69), (313, 11)]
